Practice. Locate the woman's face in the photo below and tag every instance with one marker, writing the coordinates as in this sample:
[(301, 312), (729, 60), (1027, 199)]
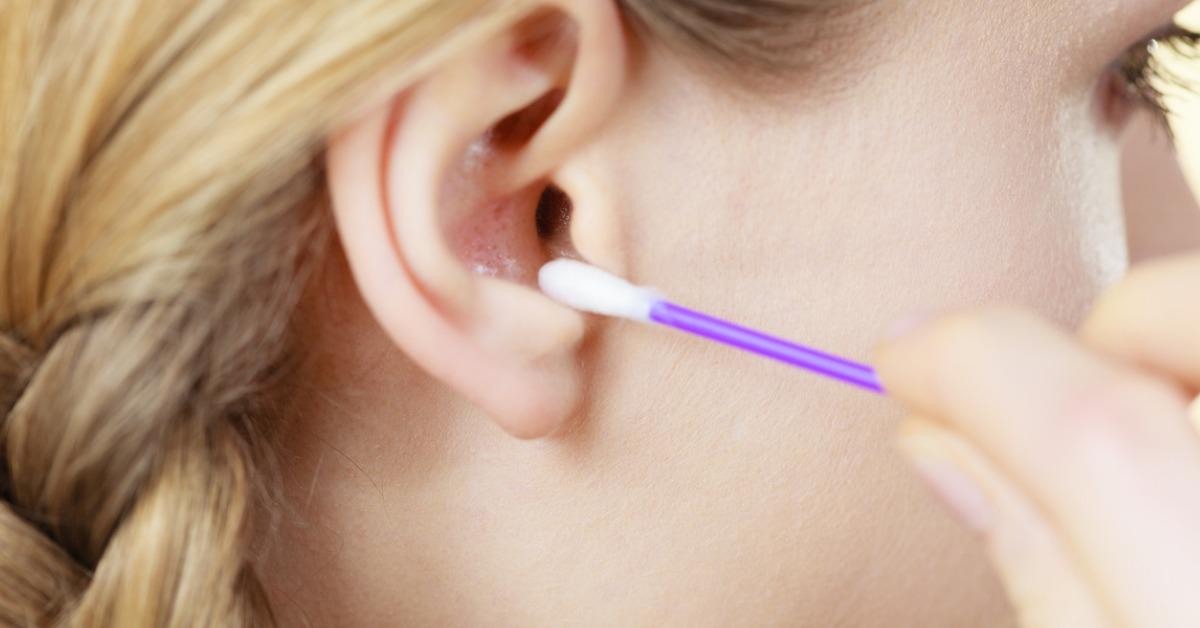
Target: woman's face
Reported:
[(934, 154), (956, 153)]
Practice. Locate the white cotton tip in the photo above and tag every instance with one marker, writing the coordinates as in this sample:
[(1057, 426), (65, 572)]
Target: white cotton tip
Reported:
[(590, 289)]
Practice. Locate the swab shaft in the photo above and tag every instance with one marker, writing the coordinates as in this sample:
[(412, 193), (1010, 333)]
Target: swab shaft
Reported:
[(590, 289), (706, 326)]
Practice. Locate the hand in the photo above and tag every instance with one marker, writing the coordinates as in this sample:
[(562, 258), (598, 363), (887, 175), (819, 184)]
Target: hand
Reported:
[(1072, 454)]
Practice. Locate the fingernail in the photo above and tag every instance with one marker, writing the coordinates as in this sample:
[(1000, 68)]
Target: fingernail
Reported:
[(952, 485)]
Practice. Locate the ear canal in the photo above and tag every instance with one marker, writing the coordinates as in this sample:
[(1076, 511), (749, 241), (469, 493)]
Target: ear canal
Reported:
[(554, 213)]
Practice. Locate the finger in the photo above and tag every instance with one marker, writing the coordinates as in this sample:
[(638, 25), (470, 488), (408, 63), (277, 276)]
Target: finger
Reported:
[(1152, 318), (1105, 452), (1038, 572)]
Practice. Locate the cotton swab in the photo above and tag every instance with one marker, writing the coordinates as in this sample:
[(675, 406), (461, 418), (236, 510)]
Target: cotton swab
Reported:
[(590, 289)]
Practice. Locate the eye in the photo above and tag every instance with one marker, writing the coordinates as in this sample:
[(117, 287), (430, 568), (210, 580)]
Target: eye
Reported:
[(1149, 80)]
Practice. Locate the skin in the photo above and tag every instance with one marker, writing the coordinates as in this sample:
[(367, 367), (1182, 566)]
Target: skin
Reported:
[(465, 452), (1162, 217)]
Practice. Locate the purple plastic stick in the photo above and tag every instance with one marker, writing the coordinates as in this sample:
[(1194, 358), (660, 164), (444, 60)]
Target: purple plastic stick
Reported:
[(694, 322)]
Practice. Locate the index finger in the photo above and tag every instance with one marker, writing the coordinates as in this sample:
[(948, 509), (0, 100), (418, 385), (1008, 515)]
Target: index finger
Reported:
[(1103, 451)]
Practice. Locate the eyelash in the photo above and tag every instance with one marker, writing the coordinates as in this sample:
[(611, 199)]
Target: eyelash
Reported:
[(1148, 81)]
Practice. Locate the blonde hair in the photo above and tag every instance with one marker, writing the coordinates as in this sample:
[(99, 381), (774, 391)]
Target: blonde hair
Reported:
[(161, 195)]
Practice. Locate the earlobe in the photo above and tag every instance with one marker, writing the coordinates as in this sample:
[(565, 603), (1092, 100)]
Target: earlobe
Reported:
[(436, 198)]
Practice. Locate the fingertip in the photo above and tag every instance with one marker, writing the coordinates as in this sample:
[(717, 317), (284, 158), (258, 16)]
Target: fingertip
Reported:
[(944, 364), (893, 355)]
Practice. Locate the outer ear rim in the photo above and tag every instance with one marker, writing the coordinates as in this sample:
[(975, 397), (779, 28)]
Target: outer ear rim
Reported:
[(454, 350), (595, 82)]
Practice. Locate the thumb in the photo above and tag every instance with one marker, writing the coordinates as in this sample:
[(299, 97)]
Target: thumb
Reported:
[(1043, 583)]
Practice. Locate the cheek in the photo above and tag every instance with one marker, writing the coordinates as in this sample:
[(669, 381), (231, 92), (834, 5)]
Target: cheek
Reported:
[(823, 228)]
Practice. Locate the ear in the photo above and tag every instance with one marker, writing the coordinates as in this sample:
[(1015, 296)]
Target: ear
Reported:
[(451, 196)]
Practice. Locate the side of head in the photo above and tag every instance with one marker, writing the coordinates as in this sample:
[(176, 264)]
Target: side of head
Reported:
[(279, 257), (163, 203)]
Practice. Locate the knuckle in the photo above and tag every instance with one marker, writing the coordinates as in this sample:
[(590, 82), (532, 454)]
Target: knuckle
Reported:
[(1099, 406), (1111, 416)]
